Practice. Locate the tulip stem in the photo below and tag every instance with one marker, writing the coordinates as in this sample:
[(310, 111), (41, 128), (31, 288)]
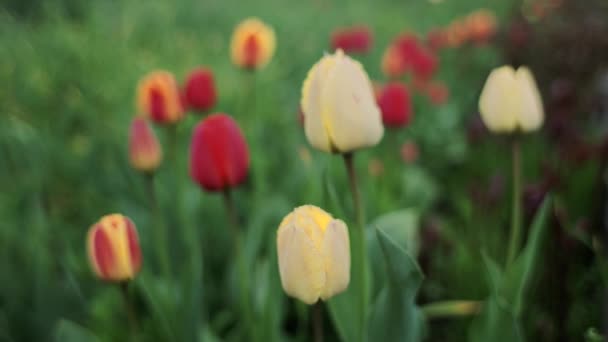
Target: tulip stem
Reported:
[(132, 316), (317, 321), (516, 219), (451, 308), (232, 220), (239, 258), (159, 229), (358, 235)]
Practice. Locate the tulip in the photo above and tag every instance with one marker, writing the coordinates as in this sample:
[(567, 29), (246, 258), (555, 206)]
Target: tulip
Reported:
[(158, 97), (253, 44), (510, 101), (457, 33), (437, 92), (199, 90), (340, 112), (314, 254), (145, 153), (219, 157), (481, 25), (437, 39), (397, 58), (357, 39), (424, 63), (395, 104), (113, 248)]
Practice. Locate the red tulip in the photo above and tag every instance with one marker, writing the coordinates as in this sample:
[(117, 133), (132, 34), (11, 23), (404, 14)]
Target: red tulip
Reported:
[(356, 39), (398, 56), (199, 90), (395, 104), (219, 157), (436, 39), (424, 63)]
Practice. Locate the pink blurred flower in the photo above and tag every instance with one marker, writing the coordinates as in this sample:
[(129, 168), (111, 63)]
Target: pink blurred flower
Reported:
[(355, 39)]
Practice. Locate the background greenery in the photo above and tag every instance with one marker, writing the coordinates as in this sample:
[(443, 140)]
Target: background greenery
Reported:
[(68, 73)]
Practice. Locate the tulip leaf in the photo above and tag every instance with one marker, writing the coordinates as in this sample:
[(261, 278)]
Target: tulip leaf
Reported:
[(68, 331), (519, 277), (496, 322), (395, 316)]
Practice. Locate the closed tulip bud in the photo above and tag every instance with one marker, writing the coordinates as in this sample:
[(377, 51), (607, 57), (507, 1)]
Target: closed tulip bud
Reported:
[(219, 157), (357, 39), (457, 33), (199, 91), (392, 65), (395, 105), (113, 248), (437, 92), (424, 63), (481, 26), (340, 111), (510, 101), (145, 153), (159, 98), (314, 254), (253, 44)]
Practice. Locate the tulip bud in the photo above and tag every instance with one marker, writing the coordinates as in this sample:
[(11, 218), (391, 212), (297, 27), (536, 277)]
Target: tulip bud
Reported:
[(219, 157), (510, 101), (340, 112), (253, 44), (199, 91), (457, 33), (113, 248), (145, 153), (393, 66), (158, 98), (395, 105), (314, 254), (481, 25), (357, 39), (437, 92), (424, 63)]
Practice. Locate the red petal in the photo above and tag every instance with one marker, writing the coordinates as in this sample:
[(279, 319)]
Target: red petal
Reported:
[(102, 251)]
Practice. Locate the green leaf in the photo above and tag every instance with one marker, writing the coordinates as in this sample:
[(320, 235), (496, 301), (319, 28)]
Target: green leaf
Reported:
[(524, 267), (493, 274), (395, 316), (402, 227), (495, 323), (68, 331)]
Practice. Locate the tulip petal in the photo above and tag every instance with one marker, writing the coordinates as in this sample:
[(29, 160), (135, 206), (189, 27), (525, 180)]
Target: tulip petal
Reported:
[(531, 111), (499, 102), (301, 266), (348, 106), (314, 127), (335, 249)]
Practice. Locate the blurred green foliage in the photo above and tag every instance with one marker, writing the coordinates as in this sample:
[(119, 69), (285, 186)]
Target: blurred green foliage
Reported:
[(69, 70)]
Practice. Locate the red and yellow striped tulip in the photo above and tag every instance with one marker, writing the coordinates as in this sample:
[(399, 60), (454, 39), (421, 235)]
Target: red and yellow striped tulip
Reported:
[(113, 248), (145, 153), (158, 97), (253, 44)]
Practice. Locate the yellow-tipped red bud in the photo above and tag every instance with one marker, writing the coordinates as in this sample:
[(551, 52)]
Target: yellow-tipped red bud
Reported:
[(159, 98), (253, 44), (145, 153), (113, 248), (314, 254)]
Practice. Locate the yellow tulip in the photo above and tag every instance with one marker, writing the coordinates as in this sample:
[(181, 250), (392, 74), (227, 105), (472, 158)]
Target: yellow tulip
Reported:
[(340, 110), (510, 101), (314, 254)]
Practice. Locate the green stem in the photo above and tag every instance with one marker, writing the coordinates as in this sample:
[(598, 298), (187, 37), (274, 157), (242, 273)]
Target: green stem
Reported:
[(132, 316), (160, 236), (516, 219), (359, 249), (451, 308), (239, 258), (317, 321)]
